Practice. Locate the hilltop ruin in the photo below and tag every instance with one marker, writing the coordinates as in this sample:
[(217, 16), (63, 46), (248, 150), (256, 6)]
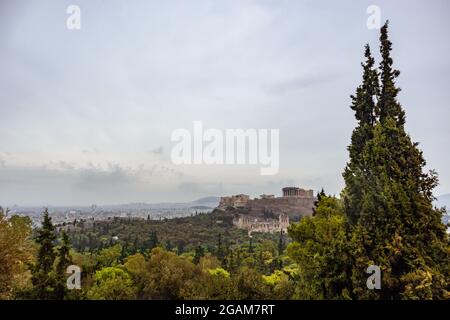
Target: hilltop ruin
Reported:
[(269, 213)]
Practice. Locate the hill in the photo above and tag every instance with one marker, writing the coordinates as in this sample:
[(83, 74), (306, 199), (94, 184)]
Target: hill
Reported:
[(182, 234)]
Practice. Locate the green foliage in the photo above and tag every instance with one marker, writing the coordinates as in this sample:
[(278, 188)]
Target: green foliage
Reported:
[(48, 272), (187, 233), (43, 274), (112, 283), (163, 276), (219, 272), (15, 253), (199, 253), (364, 105), (388, 199), (320, 249), (249, 285), (280, 285), (386, 218), (64, 260), (109, 257), (213, 282)]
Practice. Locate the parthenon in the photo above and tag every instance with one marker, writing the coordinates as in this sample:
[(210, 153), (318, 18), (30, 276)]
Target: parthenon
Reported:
[(296, 192)]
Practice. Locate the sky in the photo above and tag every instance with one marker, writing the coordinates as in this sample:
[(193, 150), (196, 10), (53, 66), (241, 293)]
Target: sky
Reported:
[(86, 116)]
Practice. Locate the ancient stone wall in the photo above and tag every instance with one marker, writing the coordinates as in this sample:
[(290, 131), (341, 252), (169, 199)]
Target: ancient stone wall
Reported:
[(295, 206), (258, 224), (236, 201)]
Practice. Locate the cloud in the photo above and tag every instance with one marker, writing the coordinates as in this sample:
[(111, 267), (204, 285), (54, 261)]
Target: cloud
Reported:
[(301, 82), (114, 176), (195, 189), (111, 93), (60, 183)]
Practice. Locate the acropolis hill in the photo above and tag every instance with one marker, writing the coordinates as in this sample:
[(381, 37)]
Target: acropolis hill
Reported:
[(269, 213)]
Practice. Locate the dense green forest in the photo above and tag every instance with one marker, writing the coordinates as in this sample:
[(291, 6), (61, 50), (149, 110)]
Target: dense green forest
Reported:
[(384, 217)]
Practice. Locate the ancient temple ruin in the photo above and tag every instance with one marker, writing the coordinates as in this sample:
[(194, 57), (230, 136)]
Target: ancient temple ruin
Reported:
[(260, 224), (269, 213)]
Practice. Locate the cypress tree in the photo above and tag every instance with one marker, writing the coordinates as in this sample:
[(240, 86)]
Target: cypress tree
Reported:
[(281, 244), (220, 249), (364, 106), (388, 106), (124, 252), (395, 224), (250, 245)]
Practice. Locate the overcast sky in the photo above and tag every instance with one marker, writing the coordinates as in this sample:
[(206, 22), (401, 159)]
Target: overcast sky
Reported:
[(87, 115)]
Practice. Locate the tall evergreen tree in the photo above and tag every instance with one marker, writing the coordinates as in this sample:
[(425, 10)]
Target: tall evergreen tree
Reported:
[(43, 276), (220, 249), (364, 105), (64, 260), (250, 245), (388, 106), (281, 243), (389, 202)]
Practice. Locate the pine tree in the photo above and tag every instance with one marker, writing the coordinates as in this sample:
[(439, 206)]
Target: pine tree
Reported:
[(43, 276)]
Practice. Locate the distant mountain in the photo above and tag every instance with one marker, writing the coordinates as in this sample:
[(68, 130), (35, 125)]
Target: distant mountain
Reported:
[(202, 203), (207, 202)]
